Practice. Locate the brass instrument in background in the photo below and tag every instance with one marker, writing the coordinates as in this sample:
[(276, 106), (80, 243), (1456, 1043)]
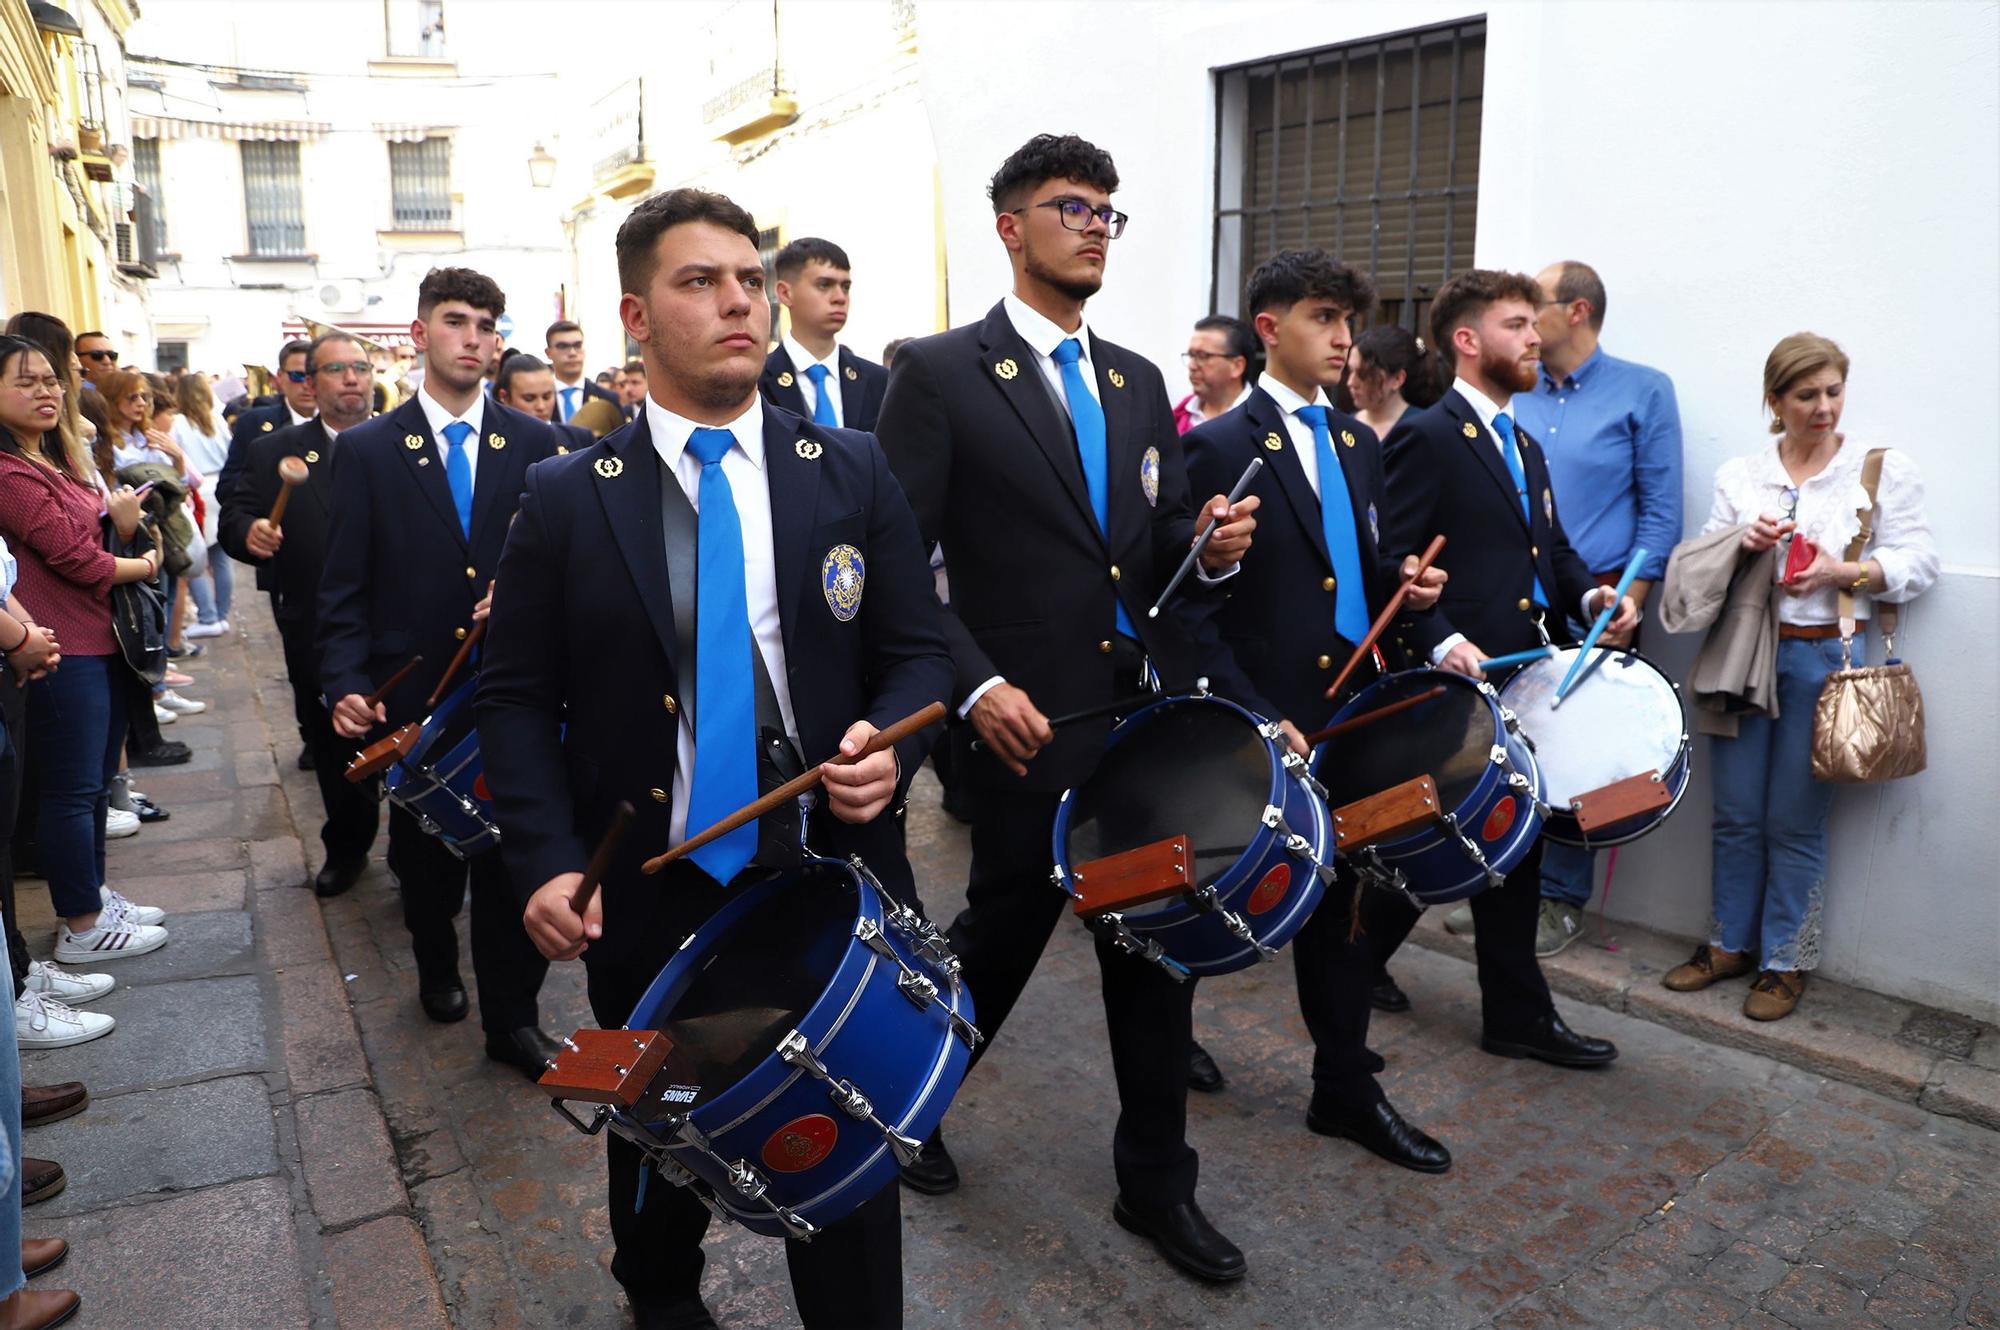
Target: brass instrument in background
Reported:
[(598, 416)]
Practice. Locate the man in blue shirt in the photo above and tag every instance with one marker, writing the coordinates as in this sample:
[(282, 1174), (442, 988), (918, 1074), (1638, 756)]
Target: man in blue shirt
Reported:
[(1612, 433)]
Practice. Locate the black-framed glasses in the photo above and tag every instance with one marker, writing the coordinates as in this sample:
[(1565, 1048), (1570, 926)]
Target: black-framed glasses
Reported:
[(109, 357), (566, 346), (1077, 215), (360, 367), (1203, 357)]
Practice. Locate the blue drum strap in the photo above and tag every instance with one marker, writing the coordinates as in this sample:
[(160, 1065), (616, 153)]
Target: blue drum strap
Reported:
[(639, 1197)]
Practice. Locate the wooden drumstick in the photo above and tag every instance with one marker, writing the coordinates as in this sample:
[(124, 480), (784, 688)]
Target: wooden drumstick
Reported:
[(1318, 737), (797, 786), (292, 472), (1388, 613), (457, 663), (374, 699), (600, 862)]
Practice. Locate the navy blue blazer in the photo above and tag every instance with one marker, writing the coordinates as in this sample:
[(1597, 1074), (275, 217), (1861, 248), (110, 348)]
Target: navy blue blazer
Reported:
[(863, 384), (401, 578), (1446, 477), (1276, 616), (582, 635), (292, 575), (249, 425)]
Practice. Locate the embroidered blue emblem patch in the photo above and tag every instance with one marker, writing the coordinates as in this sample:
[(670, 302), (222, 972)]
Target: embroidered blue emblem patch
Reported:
[(1374, 530), (1149, 476), (842, 575)]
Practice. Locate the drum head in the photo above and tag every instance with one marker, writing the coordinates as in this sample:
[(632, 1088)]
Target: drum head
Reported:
[(1449, 738), (762, 976), (1183, 768), (1623, 720)]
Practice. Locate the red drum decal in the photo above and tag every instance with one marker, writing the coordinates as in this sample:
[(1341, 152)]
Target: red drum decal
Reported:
[(1271, 890), (1499, 820), (480, 790), (800, 1143)]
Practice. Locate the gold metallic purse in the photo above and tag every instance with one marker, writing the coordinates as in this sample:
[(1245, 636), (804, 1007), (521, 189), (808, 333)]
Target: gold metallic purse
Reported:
[(1869, 723)]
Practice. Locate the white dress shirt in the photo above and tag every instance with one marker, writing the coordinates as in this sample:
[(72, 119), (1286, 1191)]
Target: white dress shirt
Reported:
[(438, 418), (802, 359), (1197, 416), (750, 485), (570, 397), (297, 419), (1304, 447), (1829, 515)]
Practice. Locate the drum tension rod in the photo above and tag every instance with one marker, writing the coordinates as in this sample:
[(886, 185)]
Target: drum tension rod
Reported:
[(1111, 927), (919, 989), (795, 1052)]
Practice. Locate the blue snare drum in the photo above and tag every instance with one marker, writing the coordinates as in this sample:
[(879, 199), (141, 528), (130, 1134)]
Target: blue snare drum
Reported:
[(1489, 787), (442, 781), (1205, 768), (820, 1031)]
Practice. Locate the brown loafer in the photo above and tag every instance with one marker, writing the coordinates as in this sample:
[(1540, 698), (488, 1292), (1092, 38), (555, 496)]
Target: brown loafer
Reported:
[(41, 1255), (41, 1179), (1773, 994), (43, 1104), (1707, 966), (38, 1308)]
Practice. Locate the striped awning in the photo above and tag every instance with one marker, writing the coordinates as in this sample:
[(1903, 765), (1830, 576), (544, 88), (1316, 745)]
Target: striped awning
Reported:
[(234, 131)]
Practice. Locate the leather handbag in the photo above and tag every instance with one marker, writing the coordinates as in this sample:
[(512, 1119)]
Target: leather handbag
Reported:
[(138, 610), (1868, 725)]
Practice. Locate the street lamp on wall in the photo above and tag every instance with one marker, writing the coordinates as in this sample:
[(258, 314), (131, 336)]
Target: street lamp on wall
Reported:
[(541, 167)]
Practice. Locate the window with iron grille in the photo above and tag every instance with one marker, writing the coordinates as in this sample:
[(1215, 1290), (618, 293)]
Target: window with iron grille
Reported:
[(420, 184), (146, 169), (273, 201), (1368, 150)]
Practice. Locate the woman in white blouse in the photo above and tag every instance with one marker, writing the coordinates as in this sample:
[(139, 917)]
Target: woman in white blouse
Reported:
[(1770, 814)]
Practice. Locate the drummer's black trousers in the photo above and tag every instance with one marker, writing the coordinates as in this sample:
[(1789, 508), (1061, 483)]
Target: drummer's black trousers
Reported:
[(1335, 970), (849, 1277), (1513, 994), (434, 882), (352, 815), (1011, 908)]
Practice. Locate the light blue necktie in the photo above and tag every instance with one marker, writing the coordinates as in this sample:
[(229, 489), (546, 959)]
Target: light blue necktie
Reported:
[(1088, 417), (569, 401), (725, 725), (822, 402), (1336, 522), (458, 473), (1503, 425)]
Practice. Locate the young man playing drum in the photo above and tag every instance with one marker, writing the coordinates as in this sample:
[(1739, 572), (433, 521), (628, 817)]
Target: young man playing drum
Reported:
[(1305, 597), (683, 609)]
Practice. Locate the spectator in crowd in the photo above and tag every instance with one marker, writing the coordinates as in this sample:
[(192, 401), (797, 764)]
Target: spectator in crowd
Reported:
[(526, 384), (1220, 358), (206, 447), (76, 715), (22, 1182), (52, 335), (563, 345), (809, 372), (1389, 372), (1794, 508), (889, 351), (607, 379), (95, 355), (632, 388), (165, 411)]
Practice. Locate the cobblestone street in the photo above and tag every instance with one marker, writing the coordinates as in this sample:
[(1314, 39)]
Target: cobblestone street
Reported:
[(246, 1162)]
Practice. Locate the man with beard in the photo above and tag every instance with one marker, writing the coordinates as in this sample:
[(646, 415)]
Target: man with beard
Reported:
[(1045, 461), (1463, 470)]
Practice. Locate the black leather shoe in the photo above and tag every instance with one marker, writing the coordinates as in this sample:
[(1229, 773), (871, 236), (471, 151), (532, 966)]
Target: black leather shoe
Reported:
[(166, 753), (1549, 1040), (528, 1049), (932, 1172), (444, 1001), (1203, 1074), (1386, 996), (305, 759), (687, 1314), (338, 876), (1381, 1130), (1185, 1237)]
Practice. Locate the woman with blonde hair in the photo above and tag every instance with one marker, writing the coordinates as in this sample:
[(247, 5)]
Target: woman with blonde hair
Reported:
[(201, 435), (1798, 501)]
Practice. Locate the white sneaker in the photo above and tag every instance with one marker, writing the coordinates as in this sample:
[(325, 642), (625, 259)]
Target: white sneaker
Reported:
[(48, 979), (111, 939), (115, 903), (174, 702), (220, 628), (118, 822), (164, 716), (41, 1021)]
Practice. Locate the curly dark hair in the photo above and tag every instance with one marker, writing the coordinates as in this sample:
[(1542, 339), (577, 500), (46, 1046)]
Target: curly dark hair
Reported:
[(474, 288), (1292, 275), (661, 213), (1465, 297), (793, 258), (1389, 349), (1049, 157)]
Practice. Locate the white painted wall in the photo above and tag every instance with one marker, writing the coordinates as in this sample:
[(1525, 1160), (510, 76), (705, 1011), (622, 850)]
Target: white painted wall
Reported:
[(1736, 172)]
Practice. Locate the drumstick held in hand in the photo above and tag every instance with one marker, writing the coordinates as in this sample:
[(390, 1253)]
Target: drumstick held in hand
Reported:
[(1389, 612), (1318, 737), (1201, 541), (389, 684), (291, 472), (797, 786), (457, 663), (600, 862)]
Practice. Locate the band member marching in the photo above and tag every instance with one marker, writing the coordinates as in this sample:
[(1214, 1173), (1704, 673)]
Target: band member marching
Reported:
[(1304, 598), (1045, 460), (717, 580)]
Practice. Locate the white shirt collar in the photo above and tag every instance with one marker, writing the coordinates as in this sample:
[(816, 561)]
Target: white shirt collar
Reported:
[(297, 419), (331, 432), (1482, 406), (1288, 401), (802, 359), (1042, 336), (437, 417), (670, 432)]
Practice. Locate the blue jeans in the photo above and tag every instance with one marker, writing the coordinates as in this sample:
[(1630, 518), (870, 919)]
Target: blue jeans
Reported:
[(1568, 873), (76, 727), (1770, 820), (212, 590), (10, 1139)]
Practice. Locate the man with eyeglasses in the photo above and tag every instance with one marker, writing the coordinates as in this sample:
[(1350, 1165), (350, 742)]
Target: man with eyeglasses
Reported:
[(1218, 359), (810, 372), (289, 560), (564, 348), (295, 387), (96, 355), (1044, 460)]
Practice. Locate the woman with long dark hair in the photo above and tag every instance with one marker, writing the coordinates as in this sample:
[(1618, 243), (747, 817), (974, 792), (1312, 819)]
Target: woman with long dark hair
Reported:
[(1390, 372)]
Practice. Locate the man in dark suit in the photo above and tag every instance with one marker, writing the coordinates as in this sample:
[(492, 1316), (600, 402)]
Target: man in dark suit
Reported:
[(1294, 614), (809, 372), (289, 559), (1463, 470), (1044, 459), (564, 347), (613, 546), (526, 384), (295, 407), (422, 499)]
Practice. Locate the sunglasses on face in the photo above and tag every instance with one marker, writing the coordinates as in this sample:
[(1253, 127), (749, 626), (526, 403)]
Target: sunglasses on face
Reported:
[(109, 357)]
